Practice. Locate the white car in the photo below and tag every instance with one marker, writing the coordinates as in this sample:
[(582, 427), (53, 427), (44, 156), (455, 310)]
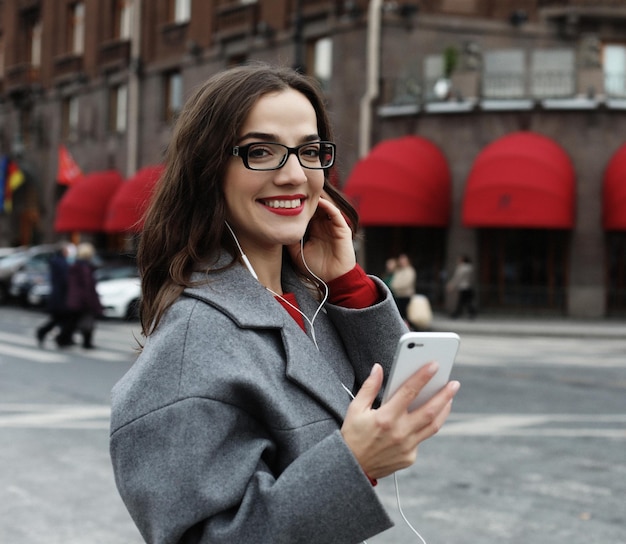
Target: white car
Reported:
[(120, 297)]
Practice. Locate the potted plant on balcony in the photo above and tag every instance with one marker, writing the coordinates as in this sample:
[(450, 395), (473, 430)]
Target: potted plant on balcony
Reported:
[(443, 85)]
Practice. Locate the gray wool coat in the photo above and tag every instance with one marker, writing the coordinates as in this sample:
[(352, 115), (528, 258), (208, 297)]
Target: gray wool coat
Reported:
[(227, 428)]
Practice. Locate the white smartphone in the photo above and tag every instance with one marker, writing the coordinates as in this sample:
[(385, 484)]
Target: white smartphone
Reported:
[(415, 349)]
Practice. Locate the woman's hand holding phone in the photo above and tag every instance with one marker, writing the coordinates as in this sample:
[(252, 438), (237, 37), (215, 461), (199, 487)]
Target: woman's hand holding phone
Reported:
[(386, 439)]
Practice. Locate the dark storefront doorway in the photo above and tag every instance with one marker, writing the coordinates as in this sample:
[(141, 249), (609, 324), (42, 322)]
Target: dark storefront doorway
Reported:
[(425, 247), (616, 273), (523, 270)]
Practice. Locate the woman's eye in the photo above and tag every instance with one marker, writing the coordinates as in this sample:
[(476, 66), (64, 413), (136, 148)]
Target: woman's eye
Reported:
[(310, 152), (258, 152)]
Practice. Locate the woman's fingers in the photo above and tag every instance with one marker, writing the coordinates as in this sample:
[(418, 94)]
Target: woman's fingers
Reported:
[(409, 390), (369, 390), (386, 439)]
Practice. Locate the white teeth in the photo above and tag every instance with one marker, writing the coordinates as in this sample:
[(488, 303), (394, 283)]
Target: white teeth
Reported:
[(283, 203)]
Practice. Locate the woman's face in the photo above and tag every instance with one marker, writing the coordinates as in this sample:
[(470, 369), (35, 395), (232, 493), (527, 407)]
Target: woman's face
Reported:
[(272, 208)]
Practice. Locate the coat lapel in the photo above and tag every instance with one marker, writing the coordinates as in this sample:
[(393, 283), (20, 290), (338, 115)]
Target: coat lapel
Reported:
[(317, 372)]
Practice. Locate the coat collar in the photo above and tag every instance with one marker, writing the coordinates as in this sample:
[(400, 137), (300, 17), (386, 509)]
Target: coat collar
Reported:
[(234, 292)]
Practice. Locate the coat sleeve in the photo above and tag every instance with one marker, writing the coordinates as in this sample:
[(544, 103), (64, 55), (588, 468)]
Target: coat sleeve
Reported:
[(371, 334), (198, 471)]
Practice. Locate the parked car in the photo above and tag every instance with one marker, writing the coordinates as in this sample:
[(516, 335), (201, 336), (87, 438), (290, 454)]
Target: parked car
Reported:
[(15, 261), (107, 267), (120, 296), (5, 251), (35, 271)]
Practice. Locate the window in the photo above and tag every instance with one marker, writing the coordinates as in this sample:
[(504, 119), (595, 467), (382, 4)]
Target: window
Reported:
[(118, 102), (179, 10), (123, 17), (69, 118), (320, 61), (76, 28), (614, 63), (35, 43), (504, 74), (173, 95), (553, 73), (433, 78)]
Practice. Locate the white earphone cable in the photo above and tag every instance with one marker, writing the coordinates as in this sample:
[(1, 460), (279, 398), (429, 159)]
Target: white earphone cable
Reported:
[(248, 265)]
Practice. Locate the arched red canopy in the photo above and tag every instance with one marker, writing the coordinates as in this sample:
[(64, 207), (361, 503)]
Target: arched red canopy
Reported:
[(83, 206), (614, 192), (128, 205), (524, 179), (402, 182)]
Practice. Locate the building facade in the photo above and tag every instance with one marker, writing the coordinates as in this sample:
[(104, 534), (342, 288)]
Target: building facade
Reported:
[(525, 100)]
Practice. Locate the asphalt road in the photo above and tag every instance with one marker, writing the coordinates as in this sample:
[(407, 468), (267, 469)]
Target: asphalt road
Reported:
[(533, 453)]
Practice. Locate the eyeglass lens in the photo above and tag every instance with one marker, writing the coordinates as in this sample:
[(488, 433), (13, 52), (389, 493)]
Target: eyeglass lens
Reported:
[(267, 156)]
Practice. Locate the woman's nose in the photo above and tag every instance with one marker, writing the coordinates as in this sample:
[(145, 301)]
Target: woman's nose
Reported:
[(291, 172)]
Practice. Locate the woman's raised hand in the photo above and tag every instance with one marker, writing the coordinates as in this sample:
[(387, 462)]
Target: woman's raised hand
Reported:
[(328, 249), (386, 439)]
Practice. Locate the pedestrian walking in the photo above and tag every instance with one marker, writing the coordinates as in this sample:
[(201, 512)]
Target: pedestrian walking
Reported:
[(461, 284), (82, 298), (57, 301), (403, 283)]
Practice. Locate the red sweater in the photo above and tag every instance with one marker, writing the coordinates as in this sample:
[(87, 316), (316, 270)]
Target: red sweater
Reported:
[(355, 289)]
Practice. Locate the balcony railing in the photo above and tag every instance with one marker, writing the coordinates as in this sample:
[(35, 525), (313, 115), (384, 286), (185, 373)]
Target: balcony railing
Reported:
[(504, 85), (114, 54), (234, 20), (538, 85), (582, 3), (553, 84), (68, 65), (20, 77)]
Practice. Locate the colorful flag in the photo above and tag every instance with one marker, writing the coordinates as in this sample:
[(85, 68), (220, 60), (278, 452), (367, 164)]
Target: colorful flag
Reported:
[(68, 171), (14, 180)]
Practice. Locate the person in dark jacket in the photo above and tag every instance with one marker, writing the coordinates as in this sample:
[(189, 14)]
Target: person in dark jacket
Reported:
[(82, 298), (57, 308)]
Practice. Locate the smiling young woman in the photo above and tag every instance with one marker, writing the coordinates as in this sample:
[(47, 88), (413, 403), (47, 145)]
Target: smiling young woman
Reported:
[(251, 415)]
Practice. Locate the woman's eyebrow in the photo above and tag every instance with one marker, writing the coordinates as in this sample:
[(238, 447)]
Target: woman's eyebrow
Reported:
[(266, 137)]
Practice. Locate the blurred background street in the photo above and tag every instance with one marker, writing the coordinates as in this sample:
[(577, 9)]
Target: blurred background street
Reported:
[(534, 450)]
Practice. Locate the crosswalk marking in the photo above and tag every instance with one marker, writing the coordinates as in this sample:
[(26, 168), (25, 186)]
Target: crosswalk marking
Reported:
[(54, 416), (547, 425), (96, 416), (32, 354), (580, 352), (114, 346)]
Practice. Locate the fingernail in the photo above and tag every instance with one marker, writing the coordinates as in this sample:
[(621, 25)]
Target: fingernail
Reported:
[(433, 367), (455, 386)]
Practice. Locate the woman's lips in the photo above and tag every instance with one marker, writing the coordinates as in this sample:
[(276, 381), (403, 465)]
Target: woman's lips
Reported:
[(283, 206)]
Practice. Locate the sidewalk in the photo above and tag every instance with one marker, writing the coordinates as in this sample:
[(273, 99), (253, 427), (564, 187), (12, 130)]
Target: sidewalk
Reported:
[(529, 326)]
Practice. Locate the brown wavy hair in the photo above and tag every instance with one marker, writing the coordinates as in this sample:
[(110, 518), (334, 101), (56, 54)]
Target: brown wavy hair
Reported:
[(184, 224)]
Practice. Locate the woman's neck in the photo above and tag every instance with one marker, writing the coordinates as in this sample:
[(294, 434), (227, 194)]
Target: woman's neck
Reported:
[(267, 265)]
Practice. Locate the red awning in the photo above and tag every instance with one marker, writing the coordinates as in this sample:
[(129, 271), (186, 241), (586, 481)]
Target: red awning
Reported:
[(614, 192), (401, 182), (128, 205), (521, 180), (84, 205)]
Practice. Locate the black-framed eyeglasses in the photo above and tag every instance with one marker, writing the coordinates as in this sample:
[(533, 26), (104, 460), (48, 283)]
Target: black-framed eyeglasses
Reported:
[(272, 155)]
